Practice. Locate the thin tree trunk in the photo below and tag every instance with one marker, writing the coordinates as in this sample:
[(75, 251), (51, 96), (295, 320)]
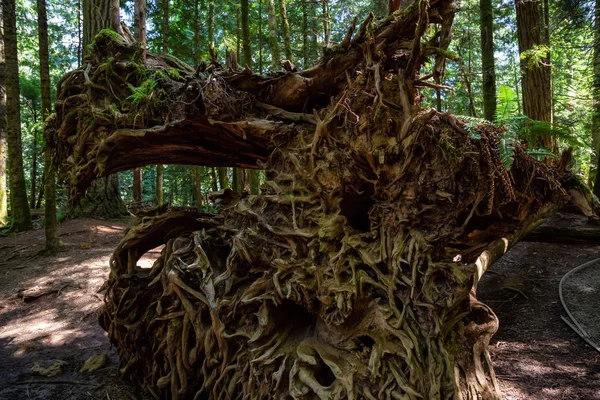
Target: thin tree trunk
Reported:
[(196, 33), (237, 180), (488, 68), (115, 16), (254, 181), (214, 180), (159, 185), (3, 144), (260, 37), (536, 83), (139, 23), (79, 35), (197, 182), (596, 101), (211, 30), (18, 193), (49, 179), (165, 26), (315, 31), (326, 23), (223, 181), (246, 34), (285, 27), (33, 159), (137, 184), (273, 36), (305, 45)]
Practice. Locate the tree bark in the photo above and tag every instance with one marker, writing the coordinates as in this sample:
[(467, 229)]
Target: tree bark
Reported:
[(211, 30), (326, 16), (305, 37), (3, 143), (165, 25), (99, 15), (246, 34), (34, 151), (488, 68), (159, 185), (18, 193), (285, 28), (139, 23), (596, 102), (273, 36), (137, 184), (536, 81)]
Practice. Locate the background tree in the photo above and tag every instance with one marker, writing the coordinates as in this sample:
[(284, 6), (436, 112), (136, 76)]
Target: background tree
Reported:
[(50, 222), (487, 59), (103, 198), (273, 35), (536, 81), (596, 98), (18, 193), (3, 144), (285, 29)]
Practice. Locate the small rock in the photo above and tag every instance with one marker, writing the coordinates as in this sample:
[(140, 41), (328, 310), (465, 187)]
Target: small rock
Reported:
[(94, 363), (55, 369)]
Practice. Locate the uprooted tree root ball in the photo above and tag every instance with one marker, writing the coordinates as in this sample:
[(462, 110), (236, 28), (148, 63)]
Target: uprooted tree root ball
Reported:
[(353, 274)]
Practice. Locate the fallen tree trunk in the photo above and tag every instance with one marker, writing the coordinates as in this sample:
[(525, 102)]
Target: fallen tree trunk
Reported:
[(352, 275)]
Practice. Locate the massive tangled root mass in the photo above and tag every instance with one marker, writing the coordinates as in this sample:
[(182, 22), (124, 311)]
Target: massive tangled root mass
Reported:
[(352, 274)]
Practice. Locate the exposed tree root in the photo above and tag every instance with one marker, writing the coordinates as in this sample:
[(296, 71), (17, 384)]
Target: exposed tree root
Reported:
[(353, 274)]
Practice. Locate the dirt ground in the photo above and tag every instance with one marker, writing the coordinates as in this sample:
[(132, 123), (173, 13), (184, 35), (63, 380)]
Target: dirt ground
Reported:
[(536, 356)]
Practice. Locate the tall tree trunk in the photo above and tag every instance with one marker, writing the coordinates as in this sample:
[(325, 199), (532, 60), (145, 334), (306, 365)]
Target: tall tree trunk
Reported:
[(305, 40), (49, 177), (246, 34), (214, 179), (103, 199), (273, 36), (596, 100), (536, 83), (198, 188), (237, 180), (196, 33), (314, 30), (260, 36), (79, 35), (33, 159), (139, 23), (254, 181), (18, 193), (285, 27), (159, 185), (137, 184), (211, 30), (326, 16), (488, 68), (223, 181), (3, 144), (165, 26)]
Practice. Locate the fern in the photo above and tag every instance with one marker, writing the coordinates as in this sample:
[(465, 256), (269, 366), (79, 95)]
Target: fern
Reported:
[(142, 93), (507, 103)]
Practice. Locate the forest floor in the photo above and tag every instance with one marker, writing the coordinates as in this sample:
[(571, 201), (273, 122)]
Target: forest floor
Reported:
[(535, 354)]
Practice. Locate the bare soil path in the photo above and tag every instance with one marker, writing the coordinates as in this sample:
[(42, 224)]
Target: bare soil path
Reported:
[(535, 354)]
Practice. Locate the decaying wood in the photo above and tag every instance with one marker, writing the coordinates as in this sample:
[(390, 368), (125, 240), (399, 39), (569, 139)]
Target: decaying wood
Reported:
[(353, 274)]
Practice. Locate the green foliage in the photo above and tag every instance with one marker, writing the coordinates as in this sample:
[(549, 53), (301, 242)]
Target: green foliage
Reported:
[(142, 94), (535, 56), (507, 103)]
